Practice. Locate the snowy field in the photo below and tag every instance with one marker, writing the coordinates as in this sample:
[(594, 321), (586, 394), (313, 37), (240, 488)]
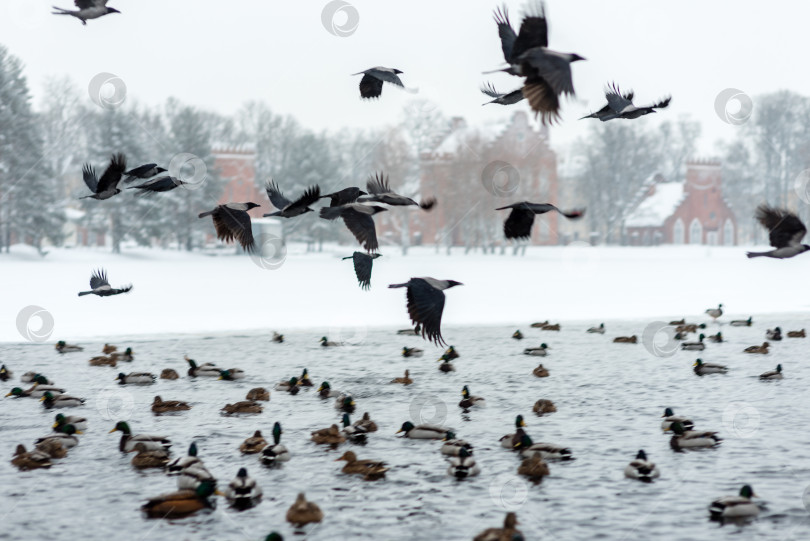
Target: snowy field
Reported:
[(177, 292)]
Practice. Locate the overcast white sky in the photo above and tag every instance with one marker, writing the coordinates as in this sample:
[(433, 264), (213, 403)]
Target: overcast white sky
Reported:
[(218, 55)]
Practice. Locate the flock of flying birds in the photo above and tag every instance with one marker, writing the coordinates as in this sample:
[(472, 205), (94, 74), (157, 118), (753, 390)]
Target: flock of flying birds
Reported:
[(546, 78)]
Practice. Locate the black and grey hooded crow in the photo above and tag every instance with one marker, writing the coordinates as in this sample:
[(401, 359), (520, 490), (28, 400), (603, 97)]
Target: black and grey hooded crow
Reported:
[(107, 185), (380, 191), (145, 171), (362, 267), (518, 224), (621, 106), (88, 9), (373, 78), (289, 209), (503, 99), (358, 218), (426, 304), (101, 287), (344, 196), (786, 232), (232, 221), (157, 184)]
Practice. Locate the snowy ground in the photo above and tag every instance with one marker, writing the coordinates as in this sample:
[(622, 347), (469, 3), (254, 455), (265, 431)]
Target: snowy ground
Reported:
[(179, 293)]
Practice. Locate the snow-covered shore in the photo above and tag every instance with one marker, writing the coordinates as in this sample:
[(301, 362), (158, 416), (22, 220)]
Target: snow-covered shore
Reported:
[(178, 292)]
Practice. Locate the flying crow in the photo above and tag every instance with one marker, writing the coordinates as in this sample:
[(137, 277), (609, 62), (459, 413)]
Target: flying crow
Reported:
[(143, 172), (426, 304), (157, 184), (519, 223), (381, 192), (232, 221), (358, 218), (533, 33), (344, 196), (88, 9), (503, 99), (786, 232), (288, 208), (373, 78), (101, 287), (107, 185), (621, 106), (362, 267)]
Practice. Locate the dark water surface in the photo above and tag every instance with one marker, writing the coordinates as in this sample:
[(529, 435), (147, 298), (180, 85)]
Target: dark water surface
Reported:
[(609, 398)]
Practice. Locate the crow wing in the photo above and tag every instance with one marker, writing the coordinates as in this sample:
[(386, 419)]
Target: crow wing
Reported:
[(533, 31), (786, 229), (362, 268), (362, 227), (90, 178), (112, 175), (310, 196), (141, 170), (551, 66), (99, 279), (506, 33), (616, 100), (275, 195), (490, 91), (234, 224), (384, 74), (378, 184), (425, 307), (370, 87), (542, 99), (518, 224), (84, 4)]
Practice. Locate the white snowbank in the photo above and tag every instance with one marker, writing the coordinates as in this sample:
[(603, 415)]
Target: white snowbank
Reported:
[(655, 209), (177, 292)]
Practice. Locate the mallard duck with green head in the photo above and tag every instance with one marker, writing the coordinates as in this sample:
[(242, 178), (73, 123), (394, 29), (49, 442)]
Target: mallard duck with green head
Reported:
[(716, 338), (30, 460), (126, 356), (446, 365), (277, 452), (289, 386), (278, 338), (180, 503), (188, 461), (191, 477), (517, 335), (546, 451), (412, 352), (128, 440), (325, 391), (206, 370), (422, 432), (64, 347), (451, 353), (327, 344), (670, 417), (772, 374), (232, 374), (49, 400), (304, 380), (739, 506), (695, 346), (136, 378), (61, 420), (469, 401), (509, 441), (345, 402), (243, 492), (641, 468), (452, 445), (66, 435), (5, 373), (742, 322), (597, 330), (701, 368), (463, 465), (353, 433), (685, 439), (541, 351)]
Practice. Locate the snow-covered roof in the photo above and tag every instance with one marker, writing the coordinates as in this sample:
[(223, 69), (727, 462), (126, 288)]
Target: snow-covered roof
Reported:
[(655, 209), (459, 137), (74, 215)]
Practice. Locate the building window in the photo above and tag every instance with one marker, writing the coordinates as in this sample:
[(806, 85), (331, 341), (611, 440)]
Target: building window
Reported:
[(695, 232), (711, 238), (728, 233), (677, 232)]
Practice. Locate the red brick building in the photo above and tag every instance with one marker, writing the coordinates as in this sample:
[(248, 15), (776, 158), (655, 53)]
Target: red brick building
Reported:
[(475, 170), (237, 167), (689, 212)]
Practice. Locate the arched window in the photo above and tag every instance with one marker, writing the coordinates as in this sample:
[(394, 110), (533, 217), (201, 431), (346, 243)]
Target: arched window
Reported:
[(728, 233), (677, 232), (695, 232)]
